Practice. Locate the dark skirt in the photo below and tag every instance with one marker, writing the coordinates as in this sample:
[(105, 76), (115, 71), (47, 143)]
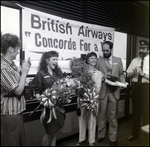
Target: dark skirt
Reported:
[(12, 130), (56, 124)]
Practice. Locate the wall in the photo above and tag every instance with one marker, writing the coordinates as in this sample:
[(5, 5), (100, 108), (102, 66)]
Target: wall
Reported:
[(125, 16), (34, 131)]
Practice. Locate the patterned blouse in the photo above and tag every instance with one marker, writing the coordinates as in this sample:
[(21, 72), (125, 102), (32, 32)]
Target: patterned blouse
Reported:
[(10, 77)]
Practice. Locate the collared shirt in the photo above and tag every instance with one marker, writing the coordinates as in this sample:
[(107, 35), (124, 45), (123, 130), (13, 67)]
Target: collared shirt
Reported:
[(10, 78), (146, 65), (109, 59), (136, 62), (44, 80)]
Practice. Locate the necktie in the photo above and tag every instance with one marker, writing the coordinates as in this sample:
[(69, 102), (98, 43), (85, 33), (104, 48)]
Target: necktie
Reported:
[(108, 65), (140, 77)]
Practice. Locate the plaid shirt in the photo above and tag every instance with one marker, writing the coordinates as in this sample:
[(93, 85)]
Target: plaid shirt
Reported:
[(10, 78)]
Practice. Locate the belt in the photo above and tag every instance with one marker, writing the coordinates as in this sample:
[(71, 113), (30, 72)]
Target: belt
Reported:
[(141, 83), (12, 95)]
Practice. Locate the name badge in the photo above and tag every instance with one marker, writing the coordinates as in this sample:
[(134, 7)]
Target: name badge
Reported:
[(46, 77)]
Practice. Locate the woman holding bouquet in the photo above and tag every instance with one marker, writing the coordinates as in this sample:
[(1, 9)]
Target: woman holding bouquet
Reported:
[(96, 77), (48, 73)]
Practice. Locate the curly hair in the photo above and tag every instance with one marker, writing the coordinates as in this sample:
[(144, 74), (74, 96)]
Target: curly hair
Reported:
[(43, 63), (89, 55), (9, 40)]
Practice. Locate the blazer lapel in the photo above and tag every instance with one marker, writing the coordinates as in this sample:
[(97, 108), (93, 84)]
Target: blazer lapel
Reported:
[(114, 66), (104, 65)]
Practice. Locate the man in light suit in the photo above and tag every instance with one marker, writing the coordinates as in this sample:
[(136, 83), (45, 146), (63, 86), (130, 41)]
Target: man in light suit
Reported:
[(109, 65)]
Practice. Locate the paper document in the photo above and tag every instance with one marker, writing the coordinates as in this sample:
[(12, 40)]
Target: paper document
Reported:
[(117, 83)]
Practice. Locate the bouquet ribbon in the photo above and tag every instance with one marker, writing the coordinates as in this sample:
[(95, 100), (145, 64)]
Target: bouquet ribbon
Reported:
[(52, 109), (89, 100), (53, 98)]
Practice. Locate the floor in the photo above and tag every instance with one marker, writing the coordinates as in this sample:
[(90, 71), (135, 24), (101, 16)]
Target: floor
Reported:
[(124, 131)]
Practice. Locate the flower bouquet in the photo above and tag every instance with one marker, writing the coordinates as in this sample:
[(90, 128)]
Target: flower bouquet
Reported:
[(87, 96), (55, 97), (90, 100)]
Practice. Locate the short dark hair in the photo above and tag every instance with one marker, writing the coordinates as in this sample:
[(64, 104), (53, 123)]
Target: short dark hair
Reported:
[(89, 55), (109, 43), (9, 40)]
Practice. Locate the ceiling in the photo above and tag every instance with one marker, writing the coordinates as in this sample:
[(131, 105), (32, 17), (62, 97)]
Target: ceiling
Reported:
[(146, 3)]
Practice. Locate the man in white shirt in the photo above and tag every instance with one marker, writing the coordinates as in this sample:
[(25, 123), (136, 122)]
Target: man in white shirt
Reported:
[(140, 89)]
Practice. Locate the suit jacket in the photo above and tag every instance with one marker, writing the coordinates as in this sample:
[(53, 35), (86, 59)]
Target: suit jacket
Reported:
[(117, 71)]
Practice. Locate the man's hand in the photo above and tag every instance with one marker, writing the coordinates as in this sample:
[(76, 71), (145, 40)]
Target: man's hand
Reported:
[(141, 72), (136, 70), (104, 77)]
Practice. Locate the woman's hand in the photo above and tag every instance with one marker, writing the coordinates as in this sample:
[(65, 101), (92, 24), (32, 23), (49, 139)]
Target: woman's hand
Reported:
[(25, 66), (24, 71)]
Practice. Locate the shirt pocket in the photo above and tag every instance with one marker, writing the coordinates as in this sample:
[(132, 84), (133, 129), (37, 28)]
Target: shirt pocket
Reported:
[(48, 81)]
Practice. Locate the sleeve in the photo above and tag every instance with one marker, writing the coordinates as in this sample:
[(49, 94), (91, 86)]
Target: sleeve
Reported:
[(37, 83), (8, 81), (97, 66), (97, 78), (131, 67), (122, 76), (146, 66)]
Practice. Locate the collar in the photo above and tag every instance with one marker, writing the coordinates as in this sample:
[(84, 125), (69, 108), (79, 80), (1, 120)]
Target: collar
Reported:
[(147, 56), (110, 58), (6, 60), (10, 63)]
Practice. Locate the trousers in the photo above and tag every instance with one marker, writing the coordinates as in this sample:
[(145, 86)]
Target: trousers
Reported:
[(85, 118), (110, 100), (12, 130), (140, 105)]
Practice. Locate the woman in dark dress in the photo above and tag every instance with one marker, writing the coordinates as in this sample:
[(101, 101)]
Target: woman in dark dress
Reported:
[(48, 73)]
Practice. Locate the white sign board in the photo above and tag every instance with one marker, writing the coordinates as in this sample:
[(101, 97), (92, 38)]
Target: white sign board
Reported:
[(44, 32)]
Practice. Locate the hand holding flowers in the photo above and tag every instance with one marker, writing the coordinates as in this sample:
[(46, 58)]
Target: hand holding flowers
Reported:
[(86, 93), (90, 100), (55, 97)]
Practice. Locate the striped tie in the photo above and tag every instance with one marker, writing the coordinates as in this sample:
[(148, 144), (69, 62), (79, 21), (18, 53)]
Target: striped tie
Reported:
[(108, 65)]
